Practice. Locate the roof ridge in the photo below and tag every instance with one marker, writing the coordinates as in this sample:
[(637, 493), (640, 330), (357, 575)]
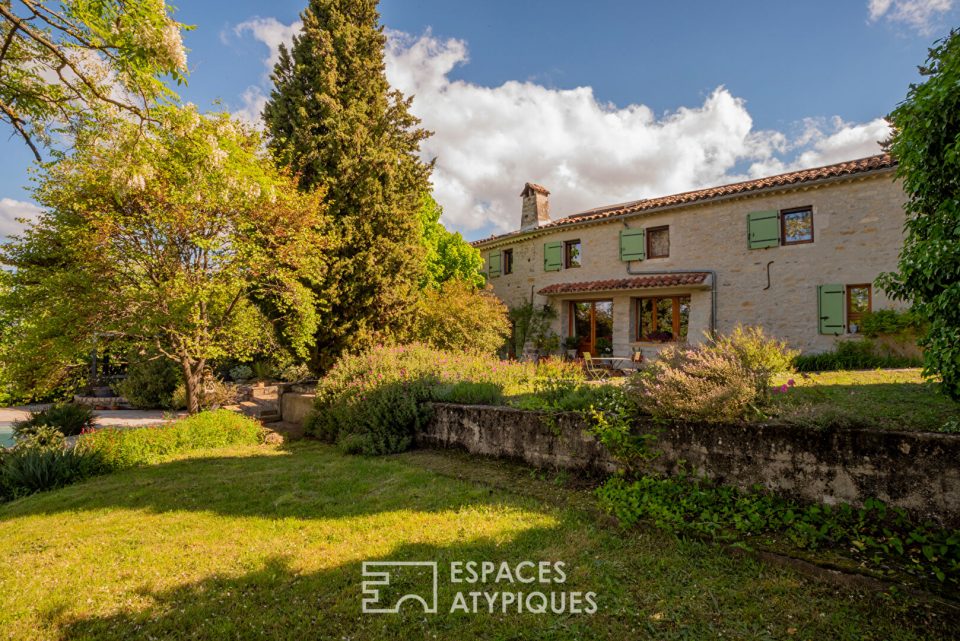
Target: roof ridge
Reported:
[(847, 167)]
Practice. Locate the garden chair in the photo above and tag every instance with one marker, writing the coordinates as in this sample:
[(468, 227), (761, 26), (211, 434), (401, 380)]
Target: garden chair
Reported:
[(594, 370)]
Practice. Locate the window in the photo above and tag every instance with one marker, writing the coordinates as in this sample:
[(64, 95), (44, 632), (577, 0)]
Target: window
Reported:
[(658, 242), (591, 323), (663, 318), (571, 254), (796, 226), (507, 261), (859, 301)]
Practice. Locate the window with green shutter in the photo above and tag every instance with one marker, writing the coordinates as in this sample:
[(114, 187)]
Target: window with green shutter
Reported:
[(830, 300), (493, 264), (763, 229), (632, 244), (552, 256)]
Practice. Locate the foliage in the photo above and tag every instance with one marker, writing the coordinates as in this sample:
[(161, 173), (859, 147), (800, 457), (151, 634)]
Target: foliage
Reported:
[(44, 437), (858, 354), (926, 144), (447, 255), (159, 239), (470, 393), (531, 324), (34, 468), (241, 372), (879, 535), (721, 381), (374, 402), (66, 62), (890, 322), (295, 373), (69, 419), (122, 448), (212, 394), (150, 384), (334, 121), (458, 316)]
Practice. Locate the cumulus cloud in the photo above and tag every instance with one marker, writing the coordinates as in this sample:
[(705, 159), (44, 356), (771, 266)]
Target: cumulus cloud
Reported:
[(10, 211), (921, 15), (489, 141)]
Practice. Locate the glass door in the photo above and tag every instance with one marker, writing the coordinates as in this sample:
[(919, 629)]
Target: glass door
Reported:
[(591, 322)]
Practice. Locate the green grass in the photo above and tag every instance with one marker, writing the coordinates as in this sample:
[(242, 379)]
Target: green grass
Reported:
[(259, 542), (897, 399)]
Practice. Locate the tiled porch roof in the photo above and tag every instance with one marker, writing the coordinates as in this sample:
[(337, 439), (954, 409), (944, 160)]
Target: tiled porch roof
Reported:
[(637, 282)]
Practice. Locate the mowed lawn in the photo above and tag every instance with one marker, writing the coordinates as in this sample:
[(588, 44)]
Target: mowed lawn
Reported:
[(897, 399), (263, 542)]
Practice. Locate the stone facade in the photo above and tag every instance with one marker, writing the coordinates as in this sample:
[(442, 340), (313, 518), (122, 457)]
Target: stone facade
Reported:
[(857, 227)]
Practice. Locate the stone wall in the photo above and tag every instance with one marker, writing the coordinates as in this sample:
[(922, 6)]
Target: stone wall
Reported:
[(919, 472)]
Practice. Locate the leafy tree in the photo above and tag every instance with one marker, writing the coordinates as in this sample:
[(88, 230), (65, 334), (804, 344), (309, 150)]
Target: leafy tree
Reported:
[(457, 316), (926, 144), (64, 62), (333, 119), (448, 256), (159, 238)]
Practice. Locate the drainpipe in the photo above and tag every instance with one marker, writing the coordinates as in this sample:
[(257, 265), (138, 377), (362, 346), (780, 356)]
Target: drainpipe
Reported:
[(713, 287)]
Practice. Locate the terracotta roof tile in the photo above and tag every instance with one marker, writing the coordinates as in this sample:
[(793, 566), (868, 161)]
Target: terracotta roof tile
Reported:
[(871, 163), (637, 282)]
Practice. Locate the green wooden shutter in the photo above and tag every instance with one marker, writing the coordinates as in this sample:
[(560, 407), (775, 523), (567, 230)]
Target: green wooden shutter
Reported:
[(763, 229), (493, 264), (552, 256), (830, 308), (632, 244)]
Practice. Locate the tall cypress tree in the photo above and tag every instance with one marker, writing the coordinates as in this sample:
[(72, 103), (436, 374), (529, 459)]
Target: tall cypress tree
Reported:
[(334, 120)]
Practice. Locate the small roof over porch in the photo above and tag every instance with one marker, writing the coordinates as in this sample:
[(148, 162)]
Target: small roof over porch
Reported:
[(650, 281)]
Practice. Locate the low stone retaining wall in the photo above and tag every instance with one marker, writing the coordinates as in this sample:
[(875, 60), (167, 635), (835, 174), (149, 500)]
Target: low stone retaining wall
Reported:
[(294, 406), (919, 472)]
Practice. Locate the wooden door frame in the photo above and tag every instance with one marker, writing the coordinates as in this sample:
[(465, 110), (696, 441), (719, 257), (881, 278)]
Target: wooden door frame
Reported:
[(571, 320)]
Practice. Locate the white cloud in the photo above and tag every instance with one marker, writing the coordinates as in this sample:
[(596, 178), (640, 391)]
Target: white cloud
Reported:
[(10, 211), (270, 32), (253, 101), (488, 141), (921, 15)]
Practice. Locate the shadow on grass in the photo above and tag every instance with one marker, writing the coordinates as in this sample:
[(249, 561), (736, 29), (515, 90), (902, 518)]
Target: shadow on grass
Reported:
[(305, 480)]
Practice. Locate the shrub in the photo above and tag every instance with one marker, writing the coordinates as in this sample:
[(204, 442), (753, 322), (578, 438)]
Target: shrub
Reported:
[(855, 354), (470, 393), (150, 384), (28, 469), (721, 381), (694, 384), (122, 448), (350, 396), (241, 373), (295, 373), (458, 316), (69, 419), (43, 437), (889, 322)]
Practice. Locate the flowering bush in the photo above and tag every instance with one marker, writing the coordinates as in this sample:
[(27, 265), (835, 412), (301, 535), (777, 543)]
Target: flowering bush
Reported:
[(721, 381), (374, 402)]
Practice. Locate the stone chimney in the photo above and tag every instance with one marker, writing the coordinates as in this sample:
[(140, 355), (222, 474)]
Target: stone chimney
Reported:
[(536, 207)]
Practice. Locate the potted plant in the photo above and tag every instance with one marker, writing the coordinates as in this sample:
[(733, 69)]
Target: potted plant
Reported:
[(571, 344)]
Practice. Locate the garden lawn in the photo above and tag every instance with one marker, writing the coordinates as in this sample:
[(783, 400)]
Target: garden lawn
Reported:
[(898, 399), (261, 542)]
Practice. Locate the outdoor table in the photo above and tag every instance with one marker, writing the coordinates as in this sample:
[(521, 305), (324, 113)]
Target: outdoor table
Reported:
[(611, 362)]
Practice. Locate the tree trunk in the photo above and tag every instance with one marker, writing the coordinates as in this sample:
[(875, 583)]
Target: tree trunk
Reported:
[(192, 373)]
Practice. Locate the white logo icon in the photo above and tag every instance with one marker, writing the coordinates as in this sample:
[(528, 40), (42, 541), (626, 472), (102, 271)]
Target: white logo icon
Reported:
[(376, 573)]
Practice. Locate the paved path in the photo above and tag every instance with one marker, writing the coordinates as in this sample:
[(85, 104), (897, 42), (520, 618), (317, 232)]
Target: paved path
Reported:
[(113, 418)]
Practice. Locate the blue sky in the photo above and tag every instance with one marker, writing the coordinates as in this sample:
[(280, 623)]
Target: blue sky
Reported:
[(601, 102)]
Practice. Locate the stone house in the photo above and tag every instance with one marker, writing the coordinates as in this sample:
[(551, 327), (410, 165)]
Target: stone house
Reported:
[(795, 253)]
